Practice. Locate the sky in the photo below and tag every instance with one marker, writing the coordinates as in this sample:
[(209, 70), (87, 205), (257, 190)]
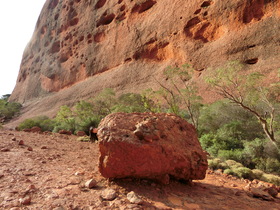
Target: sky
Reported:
[(18, 20)]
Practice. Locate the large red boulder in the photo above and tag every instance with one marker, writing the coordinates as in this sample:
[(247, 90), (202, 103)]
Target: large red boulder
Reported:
[(149, 145)]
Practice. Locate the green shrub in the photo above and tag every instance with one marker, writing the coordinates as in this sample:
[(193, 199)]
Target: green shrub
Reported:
[(243, 172), (8, 109), (223, 166), (229, 172), (43, 122), (237, 165), (272, 165), (236, 155), (214, 163), (231, 162), (269, 165), (271, 179), (257, 174)]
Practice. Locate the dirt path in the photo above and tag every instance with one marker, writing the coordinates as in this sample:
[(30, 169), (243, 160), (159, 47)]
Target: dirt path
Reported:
[(49, 171)]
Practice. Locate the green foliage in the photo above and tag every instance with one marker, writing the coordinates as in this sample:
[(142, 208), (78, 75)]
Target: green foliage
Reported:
[(243, 172), (271, 179), (103, 103), (218, 114), (246, 90), (269, 165), (231, 154), (214, 163), (45, 123), (179, 92), (151, 100), (85, 114), (231, 163), (130, 102), (237, 165), (65, 120), (257, 173), (231, 82), (229, 172), (8, 109)]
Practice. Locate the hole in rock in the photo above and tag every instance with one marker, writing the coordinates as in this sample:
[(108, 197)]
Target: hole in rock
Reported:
[(252, 61), (55, 47), (121, 16), (192, 22), (206, 4), (74, 21), (197, 11), (56, 16), (251, 46), (122, 8), (128, 59), (100, 4), (106, 20), (53, 4), (142, 7)]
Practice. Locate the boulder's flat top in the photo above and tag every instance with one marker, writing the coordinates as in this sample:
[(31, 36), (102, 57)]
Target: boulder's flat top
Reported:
[(54, 172)]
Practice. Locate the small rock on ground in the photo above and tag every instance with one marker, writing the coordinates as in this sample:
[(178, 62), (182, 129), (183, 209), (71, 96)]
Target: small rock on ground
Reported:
[(25, 200), (91, 184), (133, 198), (109, 194)]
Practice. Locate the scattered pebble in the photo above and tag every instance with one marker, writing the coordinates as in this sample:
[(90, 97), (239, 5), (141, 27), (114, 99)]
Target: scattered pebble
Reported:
[(14, 139), (21, 142), (25, 200), (133, 198), (30, 149), (91, 184), (44, 147), (5, 150), (79, 173), (108, 194)]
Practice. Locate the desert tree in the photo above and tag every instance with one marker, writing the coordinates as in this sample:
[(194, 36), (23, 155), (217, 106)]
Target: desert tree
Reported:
[(248, 91), (179, 91)]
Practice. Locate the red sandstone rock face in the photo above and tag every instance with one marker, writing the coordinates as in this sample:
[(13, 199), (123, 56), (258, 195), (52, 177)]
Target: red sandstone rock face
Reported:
[(146, 145), (85, 46)]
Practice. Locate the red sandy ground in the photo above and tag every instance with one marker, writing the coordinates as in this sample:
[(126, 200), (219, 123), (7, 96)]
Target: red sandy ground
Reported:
[(54, 172)]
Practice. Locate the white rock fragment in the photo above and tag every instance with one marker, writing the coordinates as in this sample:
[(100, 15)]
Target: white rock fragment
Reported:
[(90, 183), (133, 198)]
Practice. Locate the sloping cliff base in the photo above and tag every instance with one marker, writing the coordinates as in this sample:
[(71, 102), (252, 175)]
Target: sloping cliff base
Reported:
[(80, 47), (40, 171)]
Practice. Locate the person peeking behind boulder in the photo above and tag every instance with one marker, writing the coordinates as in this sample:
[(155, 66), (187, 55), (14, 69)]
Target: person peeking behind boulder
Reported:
[(93, 134)]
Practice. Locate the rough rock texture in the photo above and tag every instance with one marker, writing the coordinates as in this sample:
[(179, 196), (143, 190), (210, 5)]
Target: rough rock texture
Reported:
[(85, 46), (151, 146)]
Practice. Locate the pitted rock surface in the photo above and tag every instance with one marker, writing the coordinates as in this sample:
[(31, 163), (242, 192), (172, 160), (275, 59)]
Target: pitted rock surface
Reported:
[(149, 145), (85, 46)]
